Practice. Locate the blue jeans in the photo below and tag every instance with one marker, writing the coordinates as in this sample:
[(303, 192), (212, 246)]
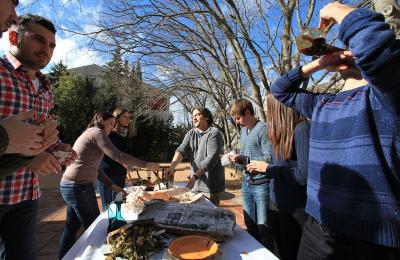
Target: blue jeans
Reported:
[(255, 208), (82, 209), (106, 194), (118, 177), (18, 230)]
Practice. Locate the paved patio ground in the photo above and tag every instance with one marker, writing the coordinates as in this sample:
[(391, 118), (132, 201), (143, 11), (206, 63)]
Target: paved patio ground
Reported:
[(52, 210)]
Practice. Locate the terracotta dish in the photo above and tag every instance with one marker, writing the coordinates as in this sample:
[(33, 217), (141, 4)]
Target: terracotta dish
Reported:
[(193, 247)]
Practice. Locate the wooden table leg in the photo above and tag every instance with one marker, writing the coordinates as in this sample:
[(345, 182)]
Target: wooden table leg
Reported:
[(158, 179), (130, 179), (165, 178), (137, 172)]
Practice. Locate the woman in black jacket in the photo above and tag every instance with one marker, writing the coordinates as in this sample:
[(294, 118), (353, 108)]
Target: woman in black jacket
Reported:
[(120, 137)]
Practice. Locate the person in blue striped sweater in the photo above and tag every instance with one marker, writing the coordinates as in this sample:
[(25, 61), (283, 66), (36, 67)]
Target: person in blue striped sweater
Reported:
[(353, 186), (254, 145)]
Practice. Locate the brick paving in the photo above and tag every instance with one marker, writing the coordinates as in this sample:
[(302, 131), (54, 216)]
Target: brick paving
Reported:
[(52, 212)]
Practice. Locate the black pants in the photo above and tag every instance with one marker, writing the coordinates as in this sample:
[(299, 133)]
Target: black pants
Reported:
[(18, 230), (287, 227), (319, 242)]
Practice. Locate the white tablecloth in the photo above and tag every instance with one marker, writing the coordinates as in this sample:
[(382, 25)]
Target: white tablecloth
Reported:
[(240, 246)]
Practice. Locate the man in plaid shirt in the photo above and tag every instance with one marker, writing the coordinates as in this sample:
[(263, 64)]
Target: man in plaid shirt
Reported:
[(23, 88), (20, 140)]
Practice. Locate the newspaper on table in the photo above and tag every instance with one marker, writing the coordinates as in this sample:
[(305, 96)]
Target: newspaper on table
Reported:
[(191, 219)]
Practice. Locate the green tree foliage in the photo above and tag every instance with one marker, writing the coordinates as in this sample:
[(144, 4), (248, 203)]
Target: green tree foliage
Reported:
[(77, 99), (116, 75), (73, 106), (123, 86), (56, 71), (136, 72), (156, 141)]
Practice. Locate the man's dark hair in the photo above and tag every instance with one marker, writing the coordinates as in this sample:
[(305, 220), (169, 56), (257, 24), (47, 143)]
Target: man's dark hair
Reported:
[(206, 113), (26, 19)]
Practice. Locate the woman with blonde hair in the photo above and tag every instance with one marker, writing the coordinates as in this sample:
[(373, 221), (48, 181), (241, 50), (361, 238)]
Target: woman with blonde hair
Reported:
[(288, 133), (120, 137)]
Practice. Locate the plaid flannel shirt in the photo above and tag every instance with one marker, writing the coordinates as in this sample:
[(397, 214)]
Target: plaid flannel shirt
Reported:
[(18, 95)]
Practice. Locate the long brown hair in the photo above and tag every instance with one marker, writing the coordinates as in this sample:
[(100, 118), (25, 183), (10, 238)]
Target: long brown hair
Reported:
[(98, 118), (117, 113), (281, 124)]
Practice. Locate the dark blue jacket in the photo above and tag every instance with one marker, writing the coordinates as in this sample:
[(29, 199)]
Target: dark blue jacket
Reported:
[(289, 177)]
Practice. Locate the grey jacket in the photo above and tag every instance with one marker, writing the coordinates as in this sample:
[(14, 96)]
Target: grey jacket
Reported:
[(203, 151)]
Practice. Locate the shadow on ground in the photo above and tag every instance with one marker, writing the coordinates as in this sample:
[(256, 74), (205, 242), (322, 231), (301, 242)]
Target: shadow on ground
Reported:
[(227, 195), (233, 184)]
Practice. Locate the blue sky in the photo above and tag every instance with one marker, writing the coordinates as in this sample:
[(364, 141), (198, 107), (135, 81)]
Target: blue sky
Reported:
[(73, 50), (80, 15)]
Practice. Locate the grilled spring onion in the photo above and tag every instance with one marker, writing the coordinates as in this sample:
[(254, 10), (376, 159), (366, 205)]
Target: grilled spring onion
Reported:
[(136, 240)]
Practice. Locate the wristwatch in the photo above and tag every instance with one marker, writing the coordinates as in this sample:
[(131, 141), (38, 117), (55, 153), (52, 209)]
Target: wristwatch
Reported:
[(196, 177)]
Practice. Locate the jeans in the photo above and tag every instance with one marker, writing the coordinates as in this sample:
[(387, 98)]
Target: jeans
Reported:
[(107, 195), (255, 207), (318, 242), (18, 230), (82, 209)]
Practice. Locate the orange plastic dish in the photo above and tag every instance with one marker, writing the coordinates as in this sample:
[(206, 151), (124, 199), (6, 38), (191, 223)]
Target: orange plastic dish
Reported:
[(193, 247)]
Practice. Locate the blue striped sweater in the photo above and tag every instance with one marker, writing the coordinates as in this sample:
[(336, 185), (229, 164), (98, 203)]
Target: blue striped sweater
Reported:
[(353, 182), (254, 145)]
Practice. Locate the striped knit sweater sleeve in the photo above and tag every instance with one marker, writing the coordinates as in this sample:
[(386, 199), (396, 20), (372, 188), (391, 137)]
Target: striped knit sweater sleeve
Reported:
[(353, 184), (286, 89), (378, 58)]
